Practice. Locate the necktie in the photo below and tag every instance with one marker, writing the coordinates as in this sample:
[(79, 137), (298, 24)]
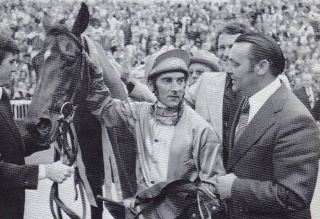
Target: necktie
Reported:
[(243, 119)]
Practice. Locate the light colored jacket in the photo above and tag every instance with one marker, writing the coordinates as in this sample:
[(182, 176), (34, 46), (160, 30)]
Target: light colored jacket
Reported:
[(207, 98), (195, 153)]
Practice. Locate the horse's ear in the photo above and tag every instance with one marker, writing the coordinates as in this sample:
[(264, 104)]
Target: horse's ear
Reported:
[(82, 20), (46, 22)]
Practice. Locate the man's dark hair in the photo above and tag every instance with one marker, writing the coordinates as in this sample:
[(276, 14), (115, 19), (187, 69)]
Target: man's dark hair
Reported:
[(264, 48), (7, 45), (232, 28)]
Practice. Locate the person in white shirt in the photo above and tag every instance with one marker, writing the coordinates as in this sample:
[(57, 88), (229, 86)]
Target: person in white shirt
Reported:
[(274, 142)]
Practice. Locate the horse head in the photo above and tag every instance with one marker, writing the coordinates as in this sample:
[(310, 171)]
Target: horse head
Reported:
[(62, 76)]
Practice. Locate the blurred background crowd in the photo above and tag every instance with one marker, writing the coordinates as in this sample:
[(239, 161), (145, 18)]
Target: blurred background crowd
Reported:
[(129, 31)]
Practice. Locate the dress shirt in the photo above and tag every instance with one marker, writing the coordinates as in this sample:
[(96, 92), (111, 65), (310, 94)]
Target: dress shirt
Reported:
[(257, 100)]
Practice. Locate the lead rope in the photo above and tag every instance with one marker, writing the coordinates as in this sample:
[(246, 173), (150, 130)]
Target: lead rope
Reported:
[(65, 127)]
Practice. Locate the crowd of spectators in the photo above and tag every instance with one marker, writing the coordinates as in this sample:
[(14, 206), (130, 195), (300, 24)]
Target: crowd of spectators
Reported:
[(130, 31)]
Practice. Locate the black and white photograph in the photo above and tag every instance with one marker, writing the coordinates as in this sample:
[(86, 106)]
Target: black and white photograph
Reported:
[(159, 109)]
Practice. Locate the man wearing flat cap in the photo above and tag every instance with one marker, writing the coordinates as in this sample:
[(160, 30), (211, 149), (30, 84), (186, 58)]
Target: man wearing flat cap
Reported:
[(15, 176), (173, 142), (202, 61)]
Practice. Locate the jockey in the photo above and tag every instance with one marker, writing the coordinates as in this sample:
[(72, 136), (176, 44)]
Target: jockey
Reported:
[(173, 142)]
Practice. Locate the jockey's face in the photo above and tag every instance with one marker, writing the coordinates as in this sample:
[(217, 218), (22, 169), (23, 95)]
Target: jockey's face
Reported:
[(170, 88)]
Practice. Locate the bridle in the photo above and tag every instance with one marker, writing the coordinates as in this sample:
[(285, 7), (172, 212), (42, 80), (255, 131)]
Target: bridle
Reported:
[(68, 146)]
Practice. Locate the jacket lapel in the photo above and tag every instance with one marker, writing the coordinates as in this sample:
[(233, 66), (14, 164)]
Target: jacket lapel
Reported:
[(257, 127)]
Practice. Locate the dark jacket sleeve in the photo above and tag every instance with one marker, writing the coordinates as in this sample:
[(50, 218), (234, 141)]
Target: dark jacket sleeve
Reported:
[(18, 176)]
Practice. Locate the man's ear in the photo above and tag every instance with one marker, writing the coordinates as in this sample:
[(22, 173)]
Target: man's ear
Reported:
[(262, 67)]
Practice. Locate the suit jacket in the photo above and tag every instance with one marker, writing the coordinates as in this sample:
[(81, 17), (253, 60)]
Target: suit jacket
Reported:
[(14, 175), (275, 160)]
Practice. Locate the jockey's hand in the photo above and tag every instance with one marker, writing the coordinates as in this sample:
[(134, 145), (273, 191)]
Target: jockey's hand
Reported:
[(130, 203), (58, 172)]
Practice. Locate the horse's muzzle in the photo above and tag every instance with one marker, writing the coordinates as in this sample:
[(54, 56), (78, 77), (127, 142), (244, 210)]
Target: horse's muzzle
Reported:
[(41, 130)]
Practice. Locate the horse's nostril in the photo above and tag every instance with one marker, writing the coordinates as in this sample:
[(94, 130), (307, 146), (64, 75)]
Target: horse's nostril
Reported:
[(44, 125)]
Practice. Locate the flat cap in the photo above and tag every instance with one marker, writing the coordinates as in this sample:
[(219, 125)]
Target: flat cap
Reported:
[(206, 58), (7, 44), (167, 61)]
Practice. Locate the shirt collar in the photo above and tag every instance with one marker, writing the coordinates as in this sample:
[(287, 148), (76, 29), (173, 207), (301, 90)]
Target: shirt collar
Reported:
[(257, 100)]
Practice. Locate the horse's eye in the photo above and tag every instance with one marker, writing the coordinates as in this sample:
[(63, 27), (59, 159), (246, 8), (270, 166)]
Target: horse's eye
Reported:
[(68, 48)]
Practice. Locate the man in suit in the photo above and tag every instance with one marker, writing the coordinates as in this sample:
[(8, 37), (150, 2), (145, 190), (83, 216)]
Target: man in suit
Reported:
[(274, 146), (309, 95), (15, 176), (310, 90), (212, 96)]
